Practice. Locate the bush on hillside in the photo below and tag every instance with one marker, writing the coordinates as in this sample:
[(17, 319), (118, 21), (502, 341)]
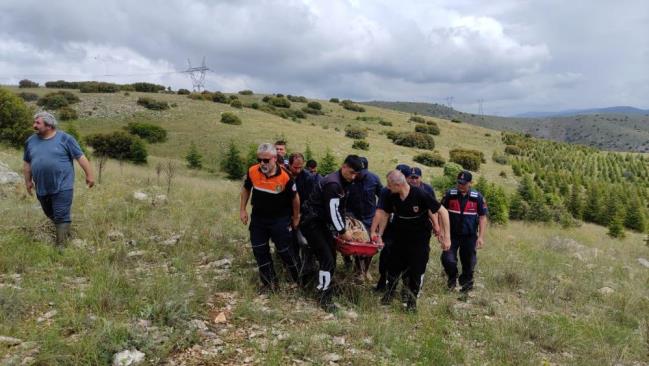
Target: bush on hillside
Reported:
[(28, 97), (118, 145), (62, 84), (219, 97), (412, 139), (15, 119), (52, 101), (316, 112), (67, 113), (351, 106), (194, 158), (429, 129), (385, 123), (469, 159), (230, 118), (183, 92), (246, 92), (236, 104), (279, 102), (334, 100), (456, 120), (355, 132), (500, 158), (232, 163), (266, 98), (147, 131), (361, 145), (147, 87), (314, 105), (297, 99), (26, 83), (98, 87), (430, 159), (513, 150), (152, 104), (417, 119)]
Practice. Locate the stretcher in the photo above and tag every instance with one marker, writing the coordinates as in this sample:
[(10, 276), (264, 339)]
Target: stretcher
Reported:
[(360, 245)]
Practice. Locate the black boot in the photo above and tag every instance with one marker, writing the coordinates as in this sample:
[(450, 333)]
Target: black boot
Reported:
[(62, 233), (327, 302)]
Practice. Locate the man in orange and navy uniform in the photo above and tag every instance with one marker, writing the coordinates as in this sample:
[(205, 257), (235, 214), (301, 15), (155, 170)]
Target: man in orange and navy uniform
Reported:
[(275, 212), (467, 212)]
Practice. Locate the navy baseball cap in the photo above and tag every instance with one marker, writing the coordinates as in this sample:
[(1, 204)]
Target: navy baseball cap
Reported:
[(415, 171), (403, 168), (464, 177)]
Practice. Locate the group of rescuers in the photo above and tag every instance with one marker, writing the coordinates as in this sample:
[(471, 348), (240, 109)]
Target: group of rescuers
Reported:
[(303, 212)]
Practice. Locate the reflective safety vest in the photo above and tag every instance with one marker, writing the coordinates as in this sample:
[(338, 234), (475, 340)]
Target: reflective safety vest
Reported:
[(464, 220)]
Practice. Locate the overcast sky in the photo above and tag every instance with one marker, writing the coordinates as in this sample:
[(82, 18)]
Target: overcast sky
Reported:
[(516, 55)]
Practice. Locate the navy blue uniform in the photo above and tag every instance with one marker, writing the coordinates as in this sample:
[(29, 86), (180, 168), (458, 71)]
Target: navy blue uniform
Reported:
[(464, 214), (363, 194), (411, 235)]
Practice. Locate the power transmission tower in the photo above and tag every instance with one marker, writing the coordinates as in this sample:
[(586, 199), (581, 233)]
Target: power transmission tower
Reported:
[(480, 110), (197, 74), (449, 102)]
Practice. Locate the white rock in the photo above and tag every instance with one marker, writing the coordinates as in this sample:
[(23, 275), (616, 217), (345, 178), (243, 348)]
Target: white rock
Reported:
[(606, 290), (198, 324), (10, 341), (644, 262), (339, 341), (160, 199), (221, 263), (332, 357), (79, 243), (140, 196), (350, 314), (173, 240), (136, 253), (127, 358), (7, 176), (50, 314)]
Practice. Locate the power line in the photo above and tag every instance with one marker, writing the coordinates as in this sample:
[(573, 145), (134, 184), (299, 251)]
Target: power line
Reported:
[(197, 74)]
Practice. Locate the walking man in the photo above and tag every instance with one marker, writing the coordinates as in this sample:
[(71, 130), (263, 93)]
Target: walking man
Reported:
[(275, 209), (48, 164), (468, 215)]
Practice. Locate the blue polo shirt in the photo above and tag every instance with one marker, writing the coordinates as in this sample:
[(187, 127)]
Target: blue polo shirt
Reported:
[(52, 162)]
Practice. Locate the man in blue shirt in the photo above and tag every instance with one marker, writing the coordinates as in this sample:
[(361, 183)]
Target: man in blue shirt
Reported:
[(48, 165)]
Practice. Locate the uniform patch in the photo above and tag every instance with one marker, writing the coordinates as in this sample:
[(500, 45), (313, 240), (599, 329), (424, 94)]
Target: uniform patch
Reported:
[(415, 209), (453, 191), (278, 188), (294, 188), (473, 194)]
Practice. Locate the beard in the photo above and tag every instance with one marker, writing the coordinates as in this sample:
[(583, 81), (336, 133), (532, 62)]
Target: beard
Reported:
[(265, 168)]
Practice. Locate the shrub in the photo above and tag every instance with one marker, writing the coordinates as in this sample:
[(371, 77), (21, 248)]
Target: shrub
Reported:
[(385, 123), (355, 132), (199, 96), (70, 97), (430, 159), (361, 145), (236, 104), (194, 158), (279, 95), (147, 87), (297, 99), (456, 120), (52, 101), (279, 102), (500, 158), (98, 87), (512, 150), (118, 145), (26, 83), (266, 99), (219, 97), (316, 112), (28, 97), (67, 113), (412, 139), (233, 97), (432, 123), (334, 100), (327, 164), (254, 105), (417, 119), (429, 129), (232, 164), (451, 170), (245, 92), (149, 132), (469, 159), (62, 84), (315, 105), (15, 119), (230, 118), (149, 103), (351, 106), (183, 92)]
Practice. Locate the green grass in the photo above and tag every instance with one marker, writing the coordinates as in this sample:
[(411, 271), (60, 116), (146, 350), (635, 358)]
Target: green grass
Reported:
[(537, 301)]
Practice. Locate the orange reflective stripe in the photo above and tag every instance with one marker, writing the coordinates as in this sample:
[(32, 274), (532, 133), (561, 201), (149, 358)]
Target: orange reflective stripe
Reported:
[(274, 184)]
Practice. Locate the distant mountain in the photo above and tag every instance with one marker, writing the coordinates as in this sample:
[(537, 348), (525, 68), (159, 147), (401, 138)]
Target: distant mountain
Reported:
[(609, 130), (626, 110)]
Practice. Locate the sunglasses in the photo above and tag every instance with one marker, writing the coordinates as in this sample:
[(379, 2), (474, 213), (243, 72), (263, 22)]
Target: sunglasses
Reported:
[(265, 161), (414, 177)]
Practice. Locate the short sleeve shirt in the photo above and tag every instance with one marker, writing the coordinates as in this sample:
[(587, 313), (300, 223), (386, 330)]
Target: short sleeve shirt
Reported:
[(51, 162), (411, 214), (272, 196)]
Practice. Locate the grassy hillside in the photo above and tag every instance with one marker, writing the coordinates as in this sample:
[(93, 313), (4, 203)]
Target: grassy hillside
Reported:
[(616, 132), (151, 275)]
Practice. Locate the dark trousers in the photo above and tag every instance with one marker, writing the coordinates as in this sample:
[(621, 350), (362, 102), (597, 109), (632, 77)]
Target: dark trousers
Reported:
[(408, 256), (57, 206), (321, 242), (468, 258), (261, 230), (384, 259)]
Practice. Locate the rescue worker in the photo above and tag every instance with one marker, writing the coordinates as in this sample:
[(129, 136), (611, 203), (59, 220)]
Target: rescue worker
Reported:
[(280, 147), (413, 211), (361, 203), (325, 212), (414, 179), (468, 216), (275, 209)]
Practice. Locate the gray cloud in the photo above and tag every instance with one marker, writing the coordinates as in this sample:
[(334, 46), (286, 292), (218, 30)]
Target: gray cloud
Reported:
[(516, 55)]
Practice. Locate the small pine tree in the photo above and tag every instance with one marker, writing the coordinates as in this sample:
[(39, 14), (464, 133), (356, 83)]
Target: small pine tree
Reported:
[(327, 164), (194, 158), (308, 153), (616, 224), (635, 218), (576, 203), (232, 164), (251, 157)]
